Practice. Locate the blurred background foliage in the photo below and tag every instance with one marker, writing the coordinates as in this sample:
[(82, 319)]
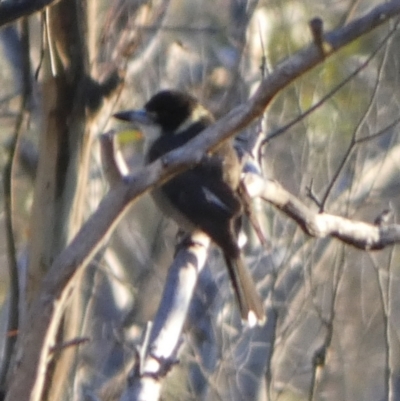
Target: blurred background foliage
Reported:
[(333, 322)]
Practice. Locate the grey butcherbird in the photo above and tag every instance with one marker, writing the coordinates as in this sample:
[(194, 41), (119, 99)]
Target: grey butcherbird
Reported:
[(204, 197)]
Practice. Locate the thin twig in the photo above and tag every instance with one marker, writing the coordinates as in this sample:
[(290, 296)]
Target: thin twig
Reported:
[(301, 117), (354, 138)]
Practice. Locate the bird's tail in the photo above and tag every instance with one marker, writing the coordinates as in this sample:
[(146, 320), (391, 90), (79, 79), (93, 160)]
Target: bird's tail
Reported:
[(248, 299)]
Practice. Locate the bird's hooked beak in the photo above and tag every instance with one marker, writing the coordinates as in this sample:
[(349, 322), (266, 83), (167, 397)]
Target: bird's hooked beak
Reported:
[(140, 117), (142, 120)]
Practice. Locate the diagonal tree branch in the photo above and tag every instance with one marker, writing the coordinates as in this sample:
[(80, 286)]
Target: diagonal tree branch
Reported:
[(356, 233)]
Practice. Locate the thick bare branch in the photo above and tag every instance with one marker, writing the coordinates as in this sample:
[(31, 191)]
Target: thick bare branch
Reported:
[(357, 233), (160, 353)]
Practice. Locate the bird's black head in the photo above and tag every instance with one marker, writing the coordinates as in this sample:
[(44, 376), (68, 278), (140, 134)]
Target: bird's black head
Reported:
[(170, 109), (169, 112)]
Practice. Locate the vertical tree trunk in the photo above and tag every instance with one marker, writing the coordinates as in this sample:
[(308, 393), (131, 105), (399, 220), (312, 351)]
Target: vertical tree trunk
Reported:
[(64, 148), (59, 202)]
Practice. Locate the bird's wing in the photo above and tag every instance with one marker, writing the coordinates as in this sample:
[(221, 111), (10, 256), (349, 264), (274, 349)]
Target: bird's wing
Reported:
[(200, 196)]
